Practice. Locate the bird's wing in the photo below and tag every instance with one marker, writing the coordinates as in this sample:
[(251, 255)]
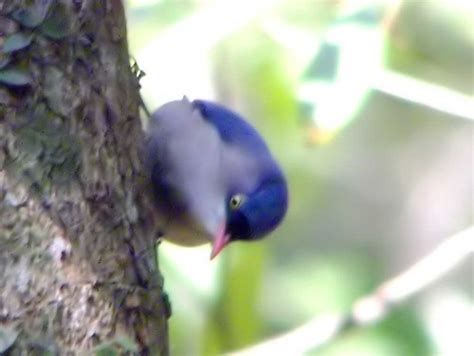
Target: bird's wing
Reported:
[(188, 155), (245, 156)]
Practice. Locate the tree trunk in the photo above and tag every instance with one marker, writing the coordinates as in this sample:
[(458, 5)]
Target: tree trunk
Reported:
[(77, 265)]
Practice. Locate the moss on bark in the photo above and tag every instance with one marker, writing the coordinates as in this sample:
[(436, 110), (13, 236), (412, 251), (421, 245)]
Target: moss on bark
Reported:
[(72, 209)]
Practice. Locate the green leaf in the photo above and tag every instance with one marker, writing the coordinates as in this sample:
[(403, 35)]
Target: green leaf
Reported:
[(56, 26), (15, 77), (105, 350), (127, 343), (111, 347), (4, 60), (33, 15), (16, 42), (28, 17)]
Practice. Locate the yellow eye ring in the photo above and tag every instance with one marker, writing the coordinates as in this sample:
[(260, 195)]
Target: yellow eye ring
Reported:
[(236, 201)]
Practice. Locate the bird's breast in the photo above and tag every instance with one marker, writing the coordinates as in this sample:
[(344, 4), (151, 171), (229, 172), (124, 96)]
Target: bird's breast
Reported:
[(186, 234)]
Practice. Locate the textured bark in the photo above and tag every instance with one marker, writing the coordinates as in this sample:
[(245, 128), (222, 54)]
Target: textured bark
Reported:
[(77, 268)]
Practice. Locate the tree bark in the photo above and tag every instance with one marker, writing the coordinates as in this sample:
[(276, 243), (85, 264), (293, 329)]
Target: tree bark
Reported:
[(77, 232)]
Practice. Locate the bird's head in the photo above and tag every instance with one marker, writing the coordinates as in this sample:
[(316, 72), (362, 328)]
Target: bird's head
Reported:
[(252, 216)]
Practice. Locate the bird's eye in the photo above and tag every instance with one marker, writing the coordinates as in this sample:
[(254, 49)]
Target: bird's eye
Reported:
[(236, 201)]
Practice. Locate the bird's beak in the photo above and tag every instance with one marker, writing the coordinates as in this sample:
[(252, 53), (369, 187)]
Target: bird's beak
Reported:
[(221, 240)]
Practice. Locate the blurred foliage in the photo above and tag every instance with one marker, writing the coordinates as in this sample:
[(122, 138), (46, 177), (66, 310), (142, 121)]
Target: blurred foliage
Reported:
[(228, 326), (367, 200), (445, 58), (153, 16)]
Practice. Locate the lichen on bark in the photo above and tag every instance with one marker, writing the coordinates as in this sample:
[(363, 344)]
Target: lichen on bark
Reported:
[(74, 214)]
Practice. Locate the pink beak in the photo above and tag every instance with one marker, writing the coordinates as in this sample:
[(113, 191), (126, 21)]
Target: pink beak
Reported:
[(220, 241)]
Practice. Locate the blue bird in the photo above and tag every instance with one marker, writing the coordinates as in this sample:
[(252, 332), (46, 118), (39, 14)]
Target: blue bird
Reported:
[(213, 177)]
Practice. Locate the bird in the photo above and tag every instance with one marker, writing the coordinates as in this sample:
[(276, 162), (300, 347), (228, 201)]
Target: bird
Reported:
[(212, 176)]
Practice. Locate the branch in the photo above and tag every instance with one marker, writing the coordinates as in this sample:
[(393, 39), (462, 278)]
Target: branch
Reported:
[(417, 91), (409, 88), (374, 307)]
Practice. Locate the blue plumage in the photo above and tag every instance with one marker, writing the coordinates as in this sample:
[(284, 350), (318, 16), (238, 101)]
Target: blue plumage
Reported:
[(213, 175), (232, 127), (264, 209)]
